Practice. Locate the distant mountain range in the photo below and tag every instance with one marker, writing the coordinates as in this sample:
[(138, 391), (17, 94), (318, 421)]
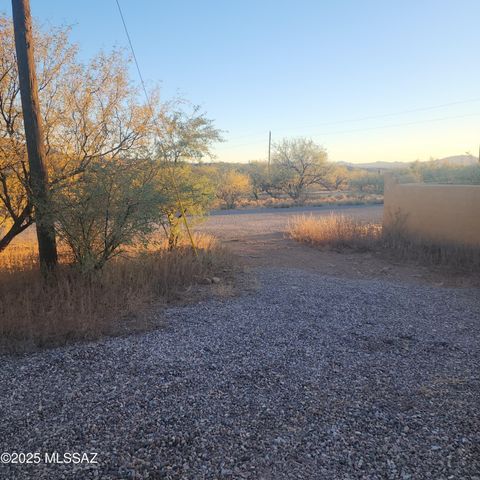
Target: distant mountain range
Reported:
[(456, 160)]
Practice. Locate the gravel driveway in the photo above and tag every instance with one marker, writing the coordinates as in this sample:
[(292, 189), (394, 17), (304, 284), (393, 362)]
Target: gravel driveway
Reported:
[(307, 377)]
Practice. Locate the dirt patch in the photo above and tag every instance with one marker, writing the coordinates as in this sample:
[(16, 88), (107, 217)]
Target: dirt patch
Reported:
[(259, 240)]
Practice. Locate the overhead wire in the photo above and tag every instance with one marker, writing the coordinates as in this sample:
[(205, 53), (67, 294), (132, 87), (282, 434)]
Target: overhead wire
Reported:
[(369, 117), (149, 104), (381, 127)]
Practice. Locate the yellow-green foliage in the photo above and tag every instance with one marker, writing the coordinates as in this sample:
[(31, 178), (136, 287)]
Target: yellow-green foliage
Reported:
[(232, 185), (89, 110), (113, 204), (184, 190)]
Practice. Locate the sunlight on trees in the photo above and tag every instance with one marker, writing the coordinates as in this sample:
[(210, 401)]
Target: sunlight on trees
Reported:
[(231, 186), (196, 193), (89, 112), (117, 169), (298, 164)]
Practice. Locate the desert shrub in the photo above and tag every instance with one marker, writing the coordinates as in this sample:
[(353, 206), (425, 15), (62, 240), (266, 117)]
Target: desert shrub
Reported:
[(367, 182), (183, 191), (337, 177), (296, 165), (97, 129), (112, 205), (397, 242), (259, 178), (183, 135), (231, 186), (119, 202), (447, 174), (90, 110)]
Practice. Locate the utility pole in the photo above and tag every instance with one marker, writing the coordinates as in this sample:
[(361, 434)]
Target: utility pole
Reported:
[(269, 146), (32, 121)]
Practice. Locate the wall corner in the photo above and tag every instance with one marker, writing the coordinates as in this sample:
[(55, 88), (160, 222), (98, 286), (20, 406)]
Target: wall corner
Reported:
[(389, 181)]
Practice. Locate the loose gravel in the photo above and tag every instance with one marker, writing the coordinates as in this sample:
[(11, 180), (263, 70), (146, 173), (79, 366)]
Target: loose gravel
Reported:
[(309, 377)]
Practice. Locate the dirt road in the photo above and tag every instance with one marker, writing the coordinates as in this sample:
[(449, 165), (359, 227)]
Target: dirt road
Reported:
[(259, 238)]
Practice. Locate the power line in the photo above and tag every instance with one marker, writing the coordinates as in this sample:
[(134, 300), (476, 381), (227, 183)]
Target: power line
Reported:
[(370, 117), (336, 132), (402, 124), (147, 98), (133, 54)]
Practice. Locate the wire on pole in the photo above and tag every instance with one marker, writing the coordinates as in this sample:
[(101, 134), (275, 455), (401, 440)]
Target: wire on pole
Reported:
[(149, 104)]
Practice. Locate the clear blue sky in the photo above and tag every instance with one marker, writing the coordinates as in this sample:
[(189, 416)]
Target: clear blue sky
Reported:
[(311, 68)]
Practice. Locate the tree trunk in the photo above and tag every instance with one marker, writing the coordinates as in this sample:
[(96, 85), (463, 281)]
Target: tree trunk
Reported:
[(22, 24)]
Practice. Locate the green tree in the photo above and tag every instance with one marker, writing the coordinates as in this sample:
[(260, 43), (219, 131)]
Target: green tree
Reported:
[(367, 182), (259, 177), (113, 204), (191, 194), (231, 186), (298, 164), (89, 111), (183, 135)]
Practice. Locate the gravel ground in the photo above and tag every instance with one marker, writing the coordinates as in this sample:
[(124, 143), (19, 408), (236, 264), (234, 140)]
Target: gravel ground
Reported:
[(307, 377)]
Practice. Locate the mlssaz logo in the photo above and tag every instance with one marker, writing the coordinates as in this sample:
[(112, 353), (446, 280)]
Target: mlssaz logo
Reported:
[(71, 457)]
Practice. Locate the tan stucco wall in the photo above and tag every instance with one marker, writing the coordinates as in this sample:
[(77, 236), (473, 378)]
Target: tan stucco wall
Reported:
[(439, 213)]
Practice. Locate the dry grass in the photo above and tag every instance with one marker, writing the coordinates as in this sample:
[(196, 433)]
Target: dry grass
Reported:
[(35, 312), (457, 258), (334, 231), (343, 232)]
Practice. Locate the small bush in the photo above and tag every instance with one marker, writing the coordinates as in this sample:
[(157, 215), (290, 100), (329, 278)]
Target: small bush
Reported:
[(231, 186), (431, 172), (367, 182)]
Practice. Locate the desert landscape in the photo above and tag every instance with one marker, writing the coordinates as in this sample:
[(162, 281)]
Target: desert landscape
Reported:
[(186, 298)]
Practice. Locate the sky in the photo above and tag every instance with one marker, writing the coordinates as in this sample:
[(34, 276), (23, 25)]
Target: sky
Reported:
[(369, 80)]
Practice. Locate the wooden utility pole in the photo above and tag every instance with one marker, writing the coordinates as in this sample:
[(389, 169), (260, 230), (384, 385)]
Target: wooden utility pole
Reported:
[(32, 121), (269, 146)]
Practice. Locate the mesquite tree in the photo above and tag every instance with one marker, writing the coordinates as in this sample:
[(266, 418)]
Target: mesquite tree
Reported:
[(90, 111), (298, 164)]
